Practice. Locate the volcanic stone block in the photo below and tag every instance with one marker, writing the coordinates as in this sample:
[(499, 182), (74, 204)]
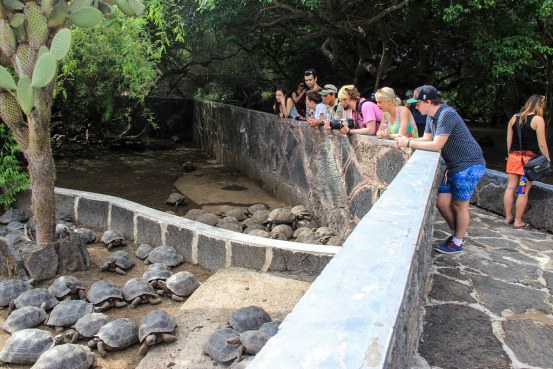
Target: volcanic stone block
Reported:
[(93, 213), (72, 254), (297, 175), (445, 289), (181, 240), (247, 256), (65, 205), (122, 221), (353, 177), (148, 231), (531, 341), (460, 337), (41, 262), (498, 296), (11, 261), (296, 262), (389, 164), (361, 203), (212, 253), (486, 193)]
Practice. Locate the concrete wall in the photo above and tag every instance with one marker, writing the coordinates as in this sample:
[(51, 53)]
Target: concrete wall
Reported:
[(489, 195), (211, 247), (339, 178), (365, 309)]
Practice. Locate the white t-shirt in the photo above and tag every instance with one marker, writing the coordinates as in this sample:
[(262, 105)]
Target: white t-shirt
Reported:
[(320, 111)]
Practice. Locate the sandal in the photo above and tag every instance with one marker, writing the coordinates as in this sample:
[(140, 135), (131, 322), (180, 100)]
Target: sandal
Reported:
[(509, 220), (525, 225)]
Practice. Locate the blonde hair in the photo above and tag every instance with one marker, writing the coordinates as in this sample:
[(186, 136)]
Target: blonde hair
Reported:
[(387, 93), (349, 92), (536, 104)]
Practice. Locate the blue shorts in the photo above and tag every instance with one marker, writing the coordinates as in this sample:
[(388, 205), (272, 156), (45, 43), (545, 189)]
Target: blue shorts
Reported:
[(462, 184)]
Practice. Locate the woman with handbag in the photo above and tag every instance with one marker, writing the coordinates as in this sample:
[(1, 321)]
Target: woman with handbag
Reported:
[(525, 139)]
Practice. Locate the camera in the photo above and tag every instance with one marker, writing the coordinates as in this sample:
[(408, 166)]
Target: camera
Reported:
[(337, 124)]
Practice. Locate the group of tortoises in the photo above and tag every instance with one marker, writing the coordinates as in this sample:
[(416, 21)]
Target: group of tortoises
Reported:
[(247, 331), (286, 223), (66, 306)]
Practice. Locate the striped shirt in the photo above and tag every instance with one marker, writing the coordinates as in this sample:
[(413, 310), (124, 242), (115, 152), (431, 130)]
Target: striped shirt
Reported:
[(461, 150)]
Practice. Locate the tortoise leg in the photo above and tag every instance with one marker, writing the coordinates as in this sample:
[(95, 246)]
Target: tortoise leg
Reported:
[(110, 245), (82, 294), (93, 343), (239, 352), (177, 298), (143, 349), (59, 329), (101, 349), (148, 341), (75, 337), (136, 302), (119, 303), (12, 306), (154, 300), (168, 338), (119, 271), (69, 334), (160, 292), (103, 307), (104, 267), (66, 297)]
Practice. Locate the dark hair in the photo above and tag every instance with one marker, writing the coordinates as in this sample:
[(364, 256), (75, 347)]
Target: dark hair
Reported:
[(315, 97), (310, 72)]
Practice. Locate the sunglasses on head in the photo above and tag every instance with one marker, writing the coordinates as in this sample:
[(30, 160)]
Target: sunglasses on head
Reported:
[(308, 73)]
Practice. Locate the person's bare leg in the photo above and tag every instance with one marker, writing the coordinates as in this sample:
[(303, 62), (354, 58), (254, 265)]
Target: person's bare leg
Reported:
[(508, 196), (444, 205), (520, 206), (462, 217)]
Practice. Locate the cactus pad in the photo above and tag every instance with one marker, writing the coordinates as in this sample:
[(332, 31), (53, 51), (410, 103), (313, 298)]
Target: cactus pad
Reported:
[(58, 16), (6, 80), (25, 94), (61, 43), (45, 70), (137, 6), (7, 38), (37, 26), (17, 20), (13, 4), (26, 57), (47, 6), (77, 4), (10, 112), (43, 50), (86, 17), (126, 7)]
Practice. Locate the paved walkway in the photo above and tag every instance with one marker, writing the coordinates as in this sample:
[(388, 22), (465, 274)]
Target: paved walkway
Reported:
[(491, 306)]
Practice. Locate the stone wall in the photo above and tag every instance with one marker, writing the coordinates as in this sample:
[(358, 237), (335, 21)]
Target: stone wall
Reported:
[(337, 177), (489, 195)]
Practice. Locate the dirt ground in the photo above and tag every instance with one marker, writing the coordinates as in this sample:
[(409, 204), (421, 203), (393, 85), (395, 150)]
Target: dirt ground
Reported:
[(127, 358)]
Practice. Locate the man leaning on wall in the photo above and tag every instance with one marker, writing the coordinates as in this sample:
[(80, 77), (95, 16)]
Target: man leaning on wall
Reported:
[(333, 109)]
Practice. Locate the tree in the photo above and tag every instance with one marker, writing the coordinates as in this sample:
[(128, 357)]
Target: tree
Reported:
[(34, 37)]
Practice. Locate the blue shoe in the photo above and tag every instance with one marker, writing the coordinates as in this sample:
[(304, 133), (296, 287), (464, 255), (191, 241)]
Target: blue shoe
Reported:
[(449, 247), (449, 239)]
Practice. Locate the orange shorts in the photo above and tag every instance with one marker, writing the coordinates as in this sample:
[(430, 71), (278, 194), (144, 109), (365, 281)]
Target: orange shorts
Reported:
[(514, 164)]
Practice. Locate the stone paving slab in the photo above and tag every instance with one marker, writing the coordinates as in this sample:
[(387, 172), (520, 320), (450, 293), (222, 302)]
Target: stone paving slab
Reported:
[(491, 306)]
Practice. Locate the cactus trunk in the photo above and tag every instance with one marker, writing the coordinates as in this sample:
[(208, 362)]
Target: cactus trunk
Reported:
[(41, 167)]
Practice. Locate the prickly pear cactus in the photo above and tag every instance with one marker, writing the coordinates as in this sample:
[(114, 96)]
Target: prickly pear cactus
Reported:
[(26, 56), (25, 94), (7, 38), (37, 25), (10, 112), (61, 43), (44, 71), (86, 17), (6, 80)]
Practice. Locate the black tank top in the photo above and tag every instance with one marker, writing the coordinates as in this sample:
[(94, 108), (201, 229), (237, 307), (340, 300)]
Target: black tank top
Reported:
[(529, 136)]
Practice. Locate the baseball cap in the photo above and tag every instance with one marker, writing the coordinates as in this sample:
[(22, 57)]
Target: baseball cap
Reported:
[(328, 89), (423, 93)]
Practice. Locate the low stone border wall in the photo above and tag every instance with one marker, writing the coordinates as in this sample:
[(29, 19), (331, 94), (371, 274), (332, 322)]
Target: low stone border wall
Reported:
[(212, 248), (337, 177), (489, 195)]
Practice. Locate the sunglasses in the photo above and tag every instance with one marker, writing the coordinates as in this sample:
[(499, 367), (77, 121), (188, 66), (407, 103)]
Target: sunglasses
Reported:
[(308, 73)]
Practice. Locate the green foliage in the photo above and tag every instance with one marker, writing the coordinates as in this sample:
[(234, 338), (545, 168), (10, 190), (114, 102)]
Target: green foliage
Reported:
[(107, 64), (12, 178)]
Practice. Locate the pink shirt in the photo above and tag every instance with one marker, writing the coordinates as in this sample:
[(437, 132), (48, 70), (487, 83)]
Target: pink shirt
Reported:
[(369, 111)]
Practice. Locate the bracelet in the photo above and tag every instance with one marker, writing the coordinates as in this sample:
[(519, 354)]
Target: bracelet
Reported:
[(408, 143)]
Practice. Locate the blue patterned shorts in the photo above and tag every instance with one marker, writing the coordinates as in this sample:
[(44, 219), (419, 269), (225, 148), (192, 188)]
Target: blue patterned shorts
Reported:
[(462, 184)]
